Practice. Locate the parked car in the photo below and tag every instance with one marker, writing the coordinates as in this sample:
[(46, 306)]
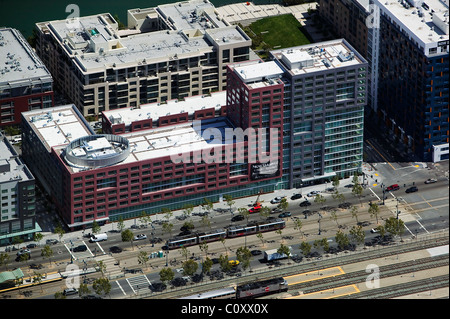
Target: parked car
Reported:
[(23, 251), (276, 200), (51, 241), (70, 291), (393, 187), (233, 262), (285, 214), (115, 249), (305, 203), (412, 189), (140, 237), (31, 245), (256, 252), (431, 181), (237, 218), (255, 209), (80, 248), (276, 210), (374, 230), (313, 193), (296, 196)]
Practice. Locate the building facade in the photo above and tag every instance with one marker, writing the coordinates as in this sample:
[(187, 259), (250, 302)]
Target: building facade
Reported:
[(169, 52), (413, 88), (324, 98), (105, 177), (25, 82), (17, 197)]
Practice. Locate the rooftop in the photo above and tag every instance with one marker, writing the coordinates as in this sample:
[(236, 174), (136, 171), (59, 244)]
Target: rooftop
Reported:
[(19, 65), (11, 167), (193, 14), (156, 110), (426, 21), (318, 57)]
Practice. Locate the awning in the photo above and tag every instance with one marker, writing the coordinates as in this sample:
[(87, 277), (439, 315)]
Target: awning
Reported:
[(10, 275)]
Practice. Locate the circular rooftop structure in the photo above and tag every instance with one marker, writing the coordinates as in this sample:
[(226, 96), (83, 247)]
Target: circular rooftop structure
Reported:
[(97, 150)]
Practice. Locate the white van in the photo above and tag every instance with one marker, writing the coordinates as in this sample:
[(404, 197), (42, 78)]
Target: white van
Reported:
[(98, 237)]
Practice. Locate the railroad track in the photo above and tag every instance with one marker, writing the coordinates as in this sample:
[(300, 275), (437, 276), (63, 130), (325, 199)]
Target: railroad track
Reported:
[(307, 266), (402, 289), (361, 276)]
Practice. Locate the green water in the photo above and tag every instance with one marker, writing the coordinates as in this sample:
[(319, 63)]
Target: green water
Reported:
[(23, 14)]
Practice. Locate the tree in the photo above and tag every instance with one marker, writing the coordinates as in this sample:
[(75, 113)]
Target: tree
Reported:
[(341, 239), (334, 217), (167, 228), (127, 235), (260, 236), (5, 259), (83, 290), (222, 240), (184, 252), (101, 267), (207, 205), (357, 234), (95, 227), (244, 255), (47, 252), (101, 286), (320, 199), (60, 231), (189, 267), (167, 213), (143, 258), (204, 248), (354, 212), (144, 218), (224, 263), (283, 205), (298, 226), (188, 225), (357, 188), (206, 265), (37, 279), (205, 221), (335, 181), (264, 212), (338, 196), (374, 210), (166, 275), (305, 247), (230, 201), (187, 210), (395, 226), (285, 250), (38, 237), (325, 244), (120, 224)]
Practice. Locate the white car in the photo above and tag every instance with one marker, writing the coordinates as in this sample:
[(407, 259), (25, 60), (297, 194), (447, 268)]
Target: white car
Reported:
[(374, 230), (313, 193), (140, 236), (276, 200)]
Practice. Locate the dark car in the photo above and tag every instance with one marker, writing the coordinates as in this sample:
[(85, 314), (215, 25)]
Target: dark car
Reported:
[(296, 196), (285, 214), (393, 188), (412, 189), (237, 218), (158, 287), (115, 249), (305, 204), (256, 252), (80, 248)]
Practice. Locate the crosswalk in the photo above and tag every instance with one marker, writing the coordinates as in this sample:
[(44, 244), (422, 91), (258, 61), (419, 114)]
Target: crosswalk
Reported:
[(132, 286), (138, 282)]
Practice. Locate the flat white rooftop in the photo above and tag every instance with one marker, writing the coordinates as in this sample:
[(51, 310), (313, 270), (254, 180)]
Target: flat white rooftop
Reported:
[(258, 71), (19, 65), (426, 21), (57, 125), (318, 56), (156, 110)]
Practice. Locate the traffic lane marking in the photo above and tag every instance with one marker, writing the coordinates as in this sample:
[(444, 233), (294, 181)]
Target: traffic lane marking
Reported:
[(316, 273), (353, 290)]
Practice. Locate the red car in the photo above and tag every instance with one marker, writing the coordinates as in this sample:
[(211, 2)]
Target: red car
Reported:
[(255, 209), (393, 188)]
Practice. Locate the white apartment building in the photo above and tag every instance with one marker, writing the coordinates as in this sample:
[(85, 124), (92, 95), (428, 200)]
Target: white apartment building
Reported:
[(169, 52)]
